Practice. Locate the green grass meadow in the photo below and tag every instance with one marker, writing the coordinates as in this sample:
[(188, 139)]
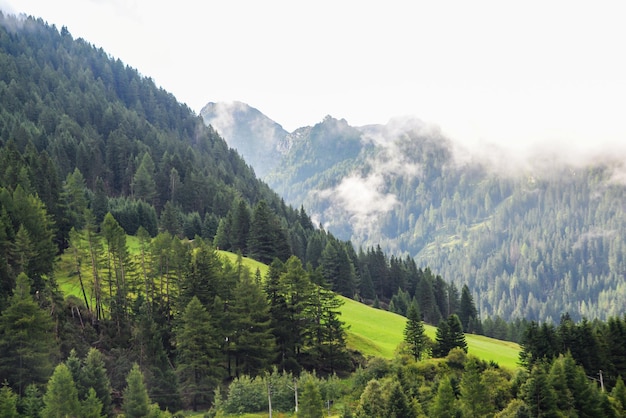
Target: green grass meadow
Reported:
[(375, 332)]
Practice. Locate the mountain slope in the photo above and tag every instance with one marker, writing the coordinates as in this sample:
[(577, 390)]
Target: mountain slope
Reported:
[(532, 238), (259, 140)]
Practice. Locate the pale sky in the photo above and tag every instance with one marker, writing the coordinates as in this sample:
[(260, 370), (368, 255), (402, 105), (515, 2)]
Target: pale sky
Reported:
[(495, 71)]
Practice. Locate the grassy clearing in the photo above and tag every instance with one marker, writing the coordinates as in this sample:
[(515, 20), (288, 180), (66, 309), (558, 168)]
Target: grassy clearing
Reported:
[(253, 265), (375, 332)]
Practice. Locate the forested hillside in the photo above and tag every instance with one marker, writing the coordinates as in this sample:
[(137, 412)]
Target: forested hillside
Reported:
[(114, 299), (532, 240)]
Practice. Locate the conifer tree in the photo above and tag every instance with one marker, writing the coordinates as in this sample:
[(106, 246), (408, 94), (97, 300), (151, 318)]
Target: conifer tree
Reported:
[(311, 404), (414, 333), (61, 397), (397, 404), (94, 375), (252, 340), (136, 402), (370, 403), (32, 402), (474, 395), (449, 335), (197, 354), (267, 239), (538, 395), (467, 312), (8, 402), (28, 342), (91, 407), (444, 404)]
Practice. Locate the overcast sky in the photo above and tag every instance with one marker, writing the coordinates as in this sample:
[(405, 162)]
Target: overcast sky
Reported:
[(501, 71)]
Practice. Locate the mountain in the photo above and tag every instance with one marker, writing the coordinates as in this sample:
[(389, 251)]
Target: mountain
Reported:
[(259, 140), (533, 238)]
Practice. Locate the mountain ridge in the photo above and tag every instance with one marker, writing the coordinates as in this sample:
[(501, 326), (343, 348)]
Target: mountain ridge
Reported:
[(529, 232)]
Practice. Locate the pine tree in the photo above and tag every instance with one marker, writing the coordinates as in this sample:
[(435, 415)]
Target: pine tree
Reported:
[(252, 340), (8, 402), (240, 228), (444, 404), (619, 393), (32, 402), (370, 403), (538, 395), (267, 239), (197, 354), (136, 400), (144, 186), (94, 376), (467, 313), (61, 397), (397, 404), (28, 341), (91, 407), (449, 335), (311, 404), (414, 333), (474, 395)]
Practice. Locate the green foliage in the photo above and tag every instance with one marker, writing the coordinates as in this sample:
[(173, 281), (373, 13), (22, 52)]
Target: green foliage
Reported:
[(449, 335), (197, 349), (94, 376), (311, 404), (61, 397), (32, 402), (91, 407), (27, 346), (414, 333), (8, 402), (251, 341), (444, 404), (474, 401), (267, 239), (136, 400)]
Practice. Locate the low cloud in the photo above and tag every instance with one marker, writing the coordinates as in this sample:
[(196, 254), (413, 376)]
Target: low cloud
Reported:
[(363, 199)]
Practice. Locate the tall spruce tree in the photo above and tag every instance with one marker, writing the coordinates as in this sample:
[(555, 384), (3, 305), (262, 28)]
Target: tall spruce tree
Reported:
[(61, 397), (449, 335), (197, 353), (27, 343), (414, 332), (94, 375), (8, 402), (444, 404), (136, 402), (252, 340), (474, 398), (267, 239)]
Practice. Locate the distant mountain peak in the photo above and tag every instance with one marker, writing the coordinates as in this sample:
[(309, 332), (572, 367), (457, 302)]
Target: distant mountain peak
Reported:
[(260, 140)]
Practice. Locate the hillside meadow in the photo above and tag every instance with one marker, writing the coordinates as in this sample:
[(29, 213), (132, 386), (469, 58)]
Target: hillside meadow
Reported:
[(373, 332)]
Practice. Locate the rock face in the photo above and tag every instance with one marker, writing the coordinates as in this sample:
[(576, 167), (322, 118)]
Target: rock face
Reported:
[(257, 138)]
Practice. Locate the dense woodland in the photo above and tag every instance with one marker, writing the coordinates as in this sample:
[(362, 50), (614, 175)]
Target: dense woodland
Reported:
[(532, 242), (105, 172)]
